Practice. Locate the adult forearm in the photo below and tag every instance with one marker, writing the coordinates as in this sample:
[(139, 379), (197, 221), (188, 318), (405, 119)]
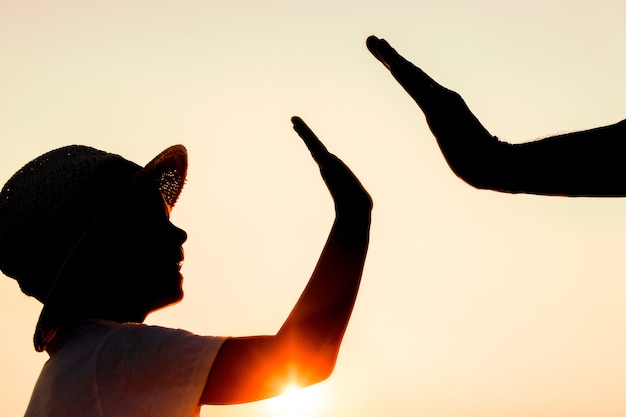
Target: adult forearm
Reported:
[(586, 163)]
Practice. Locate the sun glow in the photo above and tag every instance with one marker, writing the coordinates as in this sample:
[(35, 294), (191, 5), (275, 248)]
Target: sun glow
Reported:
[(298, 402)]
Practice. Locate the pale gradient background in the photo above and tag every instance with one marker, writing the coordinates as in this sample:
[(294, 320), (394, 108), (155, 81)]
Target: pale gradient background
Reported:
[(473, 303)]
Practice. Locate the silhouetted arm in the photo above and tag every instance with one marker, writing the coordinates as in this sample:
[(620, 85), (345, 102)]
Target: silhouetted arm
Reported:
[(305, 348), (587, 163)]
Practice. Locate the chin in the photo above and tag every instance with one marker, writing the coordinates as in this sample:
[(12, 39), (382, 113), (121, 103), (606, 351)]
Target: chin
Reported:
[(173, 298), (164, 304), (169, 299)]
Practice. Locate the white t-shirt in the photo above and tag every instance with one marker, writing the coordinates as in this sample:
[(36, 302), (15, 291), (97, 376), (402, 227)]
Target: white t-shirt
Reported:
[(106, 369)]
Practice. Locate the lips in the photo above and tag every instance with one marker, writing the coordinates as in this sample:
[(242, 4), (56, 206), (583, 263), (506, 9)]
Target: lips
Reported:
[(181, 259)]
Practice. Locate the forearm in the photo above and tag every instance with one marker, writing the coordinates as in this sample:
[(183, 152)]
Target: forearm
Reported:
[(336, 277), (317, 323), (590, 163), (585, 163)]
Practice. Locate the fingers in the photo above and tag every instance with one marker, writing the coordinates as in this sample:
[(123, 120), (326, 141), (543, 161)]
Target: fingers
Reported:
[(420, 86), (344, 187), (395, 62), (372, 46), (381, 49), (315, 146)]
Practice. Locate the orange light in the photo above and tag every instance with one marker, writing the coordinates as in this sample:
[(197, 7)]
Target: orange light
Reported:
[(298, 402)]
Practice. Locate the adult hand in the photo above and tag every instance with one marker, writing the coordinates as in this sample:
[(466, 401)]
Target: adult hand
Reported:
[(465, 143), (420, 86), (585, 163)]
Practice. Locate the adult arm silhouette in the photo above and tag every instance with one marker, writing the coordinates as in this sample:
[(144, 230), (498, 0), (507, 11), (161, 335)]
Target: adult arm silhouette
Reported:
[(585, 163), (305, 348)]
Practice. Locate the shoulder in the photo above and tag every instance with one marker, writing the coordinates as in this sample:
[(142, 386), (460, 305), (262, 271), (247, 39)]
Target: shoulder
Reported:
[(112, 342), (146, 340), (151, 367)]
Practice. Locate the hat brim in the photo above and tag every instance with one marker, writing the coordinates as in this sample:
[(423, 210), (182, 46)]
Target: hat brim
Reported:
[(168, 171)]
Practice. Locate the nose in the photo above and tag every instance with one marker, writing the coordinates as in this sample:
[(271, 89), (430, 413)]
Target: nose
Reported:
[(178, 234)]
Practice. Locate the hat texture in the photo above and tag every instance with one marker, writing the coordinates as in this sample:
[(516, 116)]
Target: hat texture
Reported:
[(48, 206)]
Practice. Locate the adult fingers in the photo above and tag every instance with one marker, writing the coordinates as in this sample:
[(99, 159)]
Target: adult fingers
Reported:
[(381, 49)]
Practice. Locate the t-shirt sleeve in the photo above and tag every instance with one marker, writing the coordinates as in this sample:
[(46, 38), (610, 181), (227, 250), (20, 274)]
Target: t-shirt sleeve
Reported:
[(154, 371)]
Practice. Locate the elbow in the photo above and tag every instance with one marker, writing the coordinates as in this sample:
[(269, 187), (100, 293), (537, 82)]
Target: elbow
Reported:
[(324, 369), (314, 369), (312, 363), (311, 348)]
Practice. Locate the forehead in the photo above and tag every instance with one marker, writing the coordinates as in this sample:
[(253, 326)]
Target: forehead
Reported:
[(143, 201)]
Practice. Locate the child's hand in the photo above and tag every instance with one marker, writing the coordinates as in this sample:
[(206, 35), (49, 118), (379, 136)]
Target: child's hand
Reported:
[(344, 187)]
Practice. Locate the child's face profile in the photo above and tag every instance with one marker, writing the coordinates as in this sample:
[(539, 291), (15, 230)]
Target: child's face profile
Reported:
[(155, 251), (135, 257)]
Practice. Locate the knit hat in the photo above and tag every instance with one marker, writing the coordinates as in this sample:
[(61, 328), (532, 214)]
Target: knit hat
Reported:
[(49, 206)]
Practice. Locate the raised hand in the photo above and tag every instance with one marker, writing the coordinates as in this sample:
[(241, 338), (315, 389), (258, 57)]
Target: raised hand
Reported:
[(462, 138), (344, 187), (587, 163)]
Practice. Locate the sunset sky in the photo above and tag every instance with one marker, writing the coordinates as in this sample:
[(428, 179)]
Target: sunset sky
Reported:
[(473, 303)]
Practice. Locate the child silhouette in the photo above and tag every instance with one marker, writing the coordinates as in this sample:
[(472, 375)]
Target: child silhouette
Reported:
[(88, 234)]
